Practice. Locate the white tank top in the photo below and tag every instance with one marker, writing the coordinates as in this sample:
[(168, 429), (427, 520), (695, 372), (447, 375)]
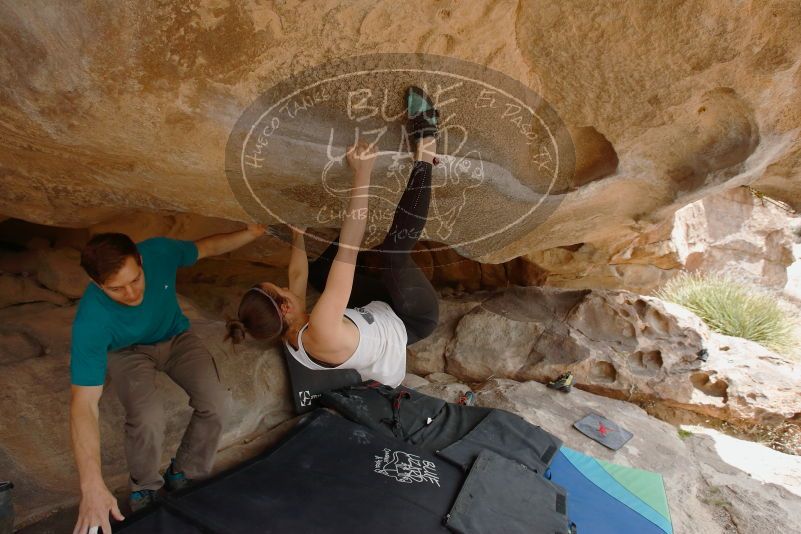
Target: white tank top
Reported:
[(381, 352)]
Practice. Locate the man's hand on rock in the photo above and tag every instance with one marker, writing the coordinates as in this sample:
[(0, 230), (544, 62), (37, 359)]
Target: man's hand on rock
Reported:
[(96, 505)]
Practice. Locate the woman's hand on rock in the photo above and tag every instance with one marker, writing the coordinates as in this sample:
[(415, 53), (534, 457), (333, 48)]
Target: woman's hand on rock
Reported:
[(256, 230), (361, 158)]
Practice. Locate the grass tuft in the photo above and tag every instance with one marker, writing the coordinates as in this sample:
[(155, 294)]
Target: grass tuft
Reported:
[(734, 309)]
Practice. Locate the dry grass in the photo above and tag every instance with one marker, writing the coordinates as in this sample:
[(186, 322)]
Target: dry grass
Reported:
[(735, 309)]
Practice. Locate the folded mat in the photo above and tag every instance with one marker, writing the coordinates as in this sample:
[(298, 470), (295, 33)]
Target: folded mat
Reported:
[(609, 499), (510, 436), (501, 495)]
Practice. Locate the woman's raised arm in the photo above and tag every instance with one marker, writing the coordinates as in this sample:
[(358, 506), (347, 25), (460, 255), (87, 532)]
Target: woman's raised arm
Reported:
[(326, 317), (298, 272)]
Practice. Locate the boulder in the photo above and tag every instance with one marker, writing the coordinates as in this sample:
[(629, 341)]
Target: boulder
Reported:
[(617, 344), (744, 382), (60, 270), (19, 262), (428, 355), (414, 381), (22, 289)]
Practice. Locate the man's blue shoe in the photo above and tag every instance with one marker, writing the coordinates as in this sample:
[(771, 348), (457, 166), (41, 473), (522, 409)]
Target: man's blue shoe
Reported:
[(141, 499), (175, 480)]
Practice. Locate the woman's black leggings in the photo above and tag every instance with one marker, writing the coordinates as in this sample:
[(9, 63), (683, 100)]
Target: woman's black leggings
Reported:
[(401, 284)]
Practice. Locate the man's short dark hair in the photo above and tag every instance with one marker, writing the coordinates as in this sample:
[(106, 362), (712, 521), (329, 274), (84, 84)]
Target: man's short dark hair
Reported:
[(105, 254)]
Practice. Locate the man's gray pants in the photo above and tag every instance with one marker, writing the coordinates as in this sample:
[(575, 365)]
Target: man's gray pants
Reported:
[(189, 364)]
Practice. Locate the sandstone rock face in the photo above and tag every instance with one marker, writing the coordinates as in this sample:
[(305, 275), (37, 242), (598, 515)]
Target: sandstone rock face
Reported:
[(61, 271), (94, 128), (618, 344), (745, 381), (733, 233), (739, 235), (428, 355), (21, 289)]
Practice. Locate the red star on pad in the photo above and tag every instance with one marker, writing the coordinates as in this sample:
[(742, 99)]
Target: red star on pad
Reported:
[(602, 429)]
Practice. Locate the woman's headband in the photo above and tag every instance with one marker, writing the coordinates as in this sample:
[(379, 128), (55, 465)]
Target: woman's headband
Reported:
[(277, 309)]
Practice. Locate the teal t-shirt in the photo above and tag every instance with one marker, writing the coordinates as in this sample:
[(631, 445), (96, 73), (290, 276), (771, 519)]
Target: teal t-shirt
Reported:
[(103, 325)]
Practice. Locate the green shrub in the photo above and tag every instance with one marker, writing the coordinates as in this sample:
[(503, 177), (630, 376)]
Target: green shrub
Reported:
[(734, 309)]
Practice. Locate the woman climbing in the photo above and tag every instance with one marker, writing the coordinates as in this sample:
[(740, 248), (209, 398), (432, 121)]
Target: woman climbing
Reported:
[(360, 321)]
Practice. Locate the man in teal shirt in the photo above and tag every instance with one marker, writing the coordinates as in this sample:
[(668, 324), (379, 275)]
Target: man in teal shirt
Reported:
[(129, 325)]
